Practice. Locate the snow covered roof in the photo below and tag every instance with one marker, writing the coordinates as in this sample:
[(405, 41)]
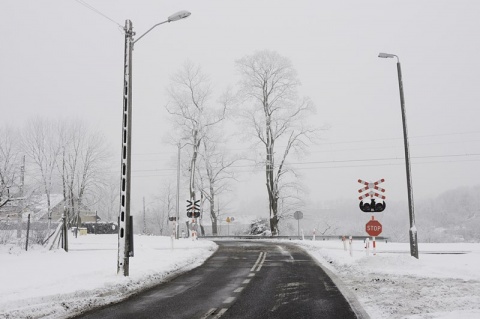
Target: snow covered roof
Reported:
[(40, 204)]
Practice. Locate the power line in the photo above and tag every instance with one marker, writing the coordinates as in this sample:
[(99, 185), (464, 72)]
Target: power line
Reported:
[(332, 167), (344, 142), (341, 161), (83, 3)]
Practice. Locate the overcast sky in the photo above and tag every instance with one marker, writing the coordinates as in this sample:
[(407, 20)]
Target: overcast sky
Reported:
[(59, 59)]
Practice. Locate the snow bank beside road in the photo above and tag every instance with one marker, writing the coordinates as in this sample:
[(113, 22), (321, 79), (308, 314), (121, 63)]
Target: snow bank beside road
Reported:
[(56, 284), (393, 284)]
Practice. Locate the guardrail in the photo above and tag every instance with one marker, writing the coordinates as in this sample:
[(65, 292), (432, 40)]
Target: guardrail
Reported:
[(317, 238)]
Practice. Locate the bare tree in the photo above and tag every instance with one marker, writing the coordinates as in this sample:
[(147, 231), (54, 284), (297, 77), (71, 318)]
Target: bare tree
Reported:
[(108, 203), (215, 177), (325, 227), (41, 144), (165, 208), (9, 163), (291, 197), (193, 110), (82, 165), (276, 116)]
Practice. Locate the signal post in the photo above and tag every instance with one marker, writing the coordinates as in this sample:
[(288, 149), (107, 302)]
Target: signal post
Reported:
[(373, 227)]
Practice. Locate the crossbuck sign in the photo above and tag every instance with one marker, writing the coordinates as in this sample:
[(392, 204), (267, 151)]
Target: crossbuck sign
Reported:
[(370, 187)]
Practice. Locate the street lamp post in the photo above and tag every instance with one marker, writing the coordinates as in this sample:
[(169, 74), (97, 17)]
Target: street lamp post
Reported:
[(125, 229), (413, 228)]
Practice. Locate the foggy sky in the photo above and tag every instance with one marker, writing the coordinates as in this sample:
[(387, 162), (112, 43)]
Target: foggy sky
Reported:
[(60, 59)]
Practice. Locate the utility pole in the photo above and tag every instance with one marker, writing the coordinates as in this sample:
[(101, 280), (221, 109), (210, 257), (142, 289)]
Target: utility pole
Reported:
[(144, 218), (22, 200), (177, 225), (125, 229), (124, 217)]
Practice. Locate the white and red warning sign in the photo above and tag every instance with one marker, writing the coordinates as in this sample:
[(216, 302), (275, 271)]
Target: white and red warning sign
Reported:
[(370, 189), (373, 191)]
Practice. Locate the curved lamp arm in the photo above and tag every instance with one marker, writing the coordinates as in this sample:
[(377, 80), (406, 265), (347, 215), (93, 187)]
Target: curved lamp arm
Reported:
[(388, 55), (174, 17)]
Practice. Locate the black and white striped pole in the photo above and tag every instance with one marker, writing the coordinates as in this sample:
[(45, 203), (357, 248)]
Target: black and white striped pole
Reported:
[(125, 229), (124, 218)]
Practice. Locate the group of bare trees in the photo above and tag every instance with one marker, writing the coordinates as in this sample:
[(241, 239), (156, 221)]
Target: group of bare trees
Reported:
[(62, 156), (270, 112), (196, 114), (156, 212)]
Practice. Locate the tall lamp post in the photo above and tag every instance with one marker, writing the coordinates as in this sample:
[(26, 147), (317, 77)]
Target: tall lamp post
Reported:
[(125, 230), (413, 228)]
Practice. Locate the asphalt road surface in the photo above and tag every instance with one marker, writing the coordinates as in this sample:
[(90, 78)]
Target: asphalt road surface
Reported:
[(243, 279)]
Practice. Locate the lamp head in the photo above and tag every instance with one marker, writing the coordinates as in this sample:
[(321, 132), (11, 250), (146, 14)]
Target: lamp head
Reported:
[(179, 15), (386, 55)]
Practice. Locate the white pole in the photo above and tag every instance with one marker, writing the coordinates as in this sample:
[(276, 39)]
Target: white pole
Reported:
[(367, 246), (351, 245), (174, 234)]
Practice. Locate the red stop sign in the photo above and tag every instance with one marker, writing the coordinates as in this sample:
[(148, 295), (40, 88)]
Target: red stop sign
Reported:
[(373, 228)]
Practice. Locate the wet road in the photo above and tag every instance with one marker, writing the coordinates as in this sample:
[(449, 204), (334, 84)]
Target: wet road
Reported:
[(243, 279)]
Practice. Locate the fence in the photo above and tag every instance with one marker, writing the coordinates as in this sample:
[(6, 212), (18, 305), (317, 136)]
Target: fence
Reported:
[(24, 233)]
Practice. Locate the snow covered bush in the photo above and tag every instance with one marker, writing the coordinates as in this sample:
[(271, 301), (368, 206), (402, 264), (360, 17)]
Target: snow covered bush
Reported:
[(260, 227)]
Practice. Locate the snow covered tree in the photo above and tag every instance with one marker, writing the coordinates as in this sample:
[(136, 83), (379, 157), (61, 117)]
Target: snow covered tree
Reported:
[(193, 110), (41, 143), (275, 115), (10, 163), (82, 163), (215, 176)]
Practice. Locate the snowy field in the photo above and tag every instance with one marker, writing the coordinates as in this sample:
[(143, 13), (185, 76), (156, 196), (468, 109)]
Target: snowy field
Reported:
[(443, 283), (56, 284)]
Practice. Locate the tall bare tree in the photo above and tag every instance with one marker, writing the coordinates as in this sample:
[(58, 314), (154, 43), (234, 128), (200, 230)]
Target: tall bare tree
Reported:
[(9, 163), (193, 110), (276, 116)]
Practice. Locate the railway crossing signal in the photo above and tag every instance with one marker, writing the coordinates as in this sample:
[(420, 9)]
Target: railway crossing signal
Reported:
[(372, 189), (193, 209), (372, 207)]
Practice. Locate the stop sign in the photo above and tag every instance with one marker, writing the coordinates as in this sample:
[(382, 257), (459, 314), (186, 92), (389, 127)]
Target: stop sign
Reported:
[(373, 228), (298, 215)]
